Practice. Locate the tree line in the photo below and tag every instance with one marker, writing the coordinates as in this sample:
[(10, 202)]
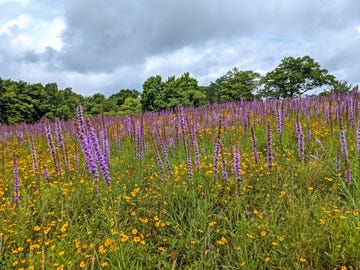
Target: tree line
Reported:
[(293, 77)]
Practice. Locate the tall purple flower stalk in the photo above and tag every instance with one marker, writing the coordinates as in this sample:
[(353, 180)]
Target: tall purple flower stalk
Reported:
[(269, 149), (186, 145), (33, 155), (343, 144), (161, 141), (50, 141), (236, 164), (158, 158), (138, 146), (84, 144), (217, 148), (253, 141), (118, 139), (94, 144), (279, 119), (223, 161), (61, 143), (46, 174), (196, 147), (344, 151), (16, 181)]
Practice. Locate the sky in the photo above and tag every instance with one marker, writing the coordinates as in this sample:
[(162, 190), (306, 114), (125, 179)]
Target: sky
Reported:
[(97, 46)]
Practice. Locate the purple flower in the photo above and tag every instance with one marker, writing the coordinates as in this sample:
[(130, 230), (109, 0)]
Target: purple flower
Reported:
[(84, 143), (217, 148), (99, 157), (236, 164), (343, 143), (46, 174), (33, 155), (158, 158), (224, 171), (50, 141), (187, 150)]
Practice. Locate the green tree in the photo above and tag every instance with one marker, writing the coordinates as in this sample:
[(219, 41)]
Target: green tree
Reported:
[(294, 77), (151, 94), (130, 106), (120, 96), (94, 104), (337, 87), (237, 85), (158, 95)]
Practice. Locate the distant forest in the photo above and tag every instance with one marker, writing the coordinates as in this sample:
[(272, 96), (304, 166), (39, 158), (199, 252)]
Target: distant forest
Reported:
[(293, 77)]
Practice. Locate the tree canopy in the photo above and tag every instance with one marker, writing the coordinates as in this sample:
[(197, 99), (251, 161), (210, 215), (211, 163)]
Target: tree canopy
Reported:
[(24, 102), (294, 77)]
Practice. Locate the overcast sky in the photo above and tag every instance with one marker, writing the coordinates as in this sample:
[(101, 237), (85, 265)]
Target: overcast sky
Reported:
[(103, 46)]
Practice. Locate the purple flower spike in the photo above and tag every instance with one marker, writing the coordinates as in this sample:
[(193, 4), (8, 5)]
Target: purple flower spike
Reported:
[(236, 165), (269, 149)]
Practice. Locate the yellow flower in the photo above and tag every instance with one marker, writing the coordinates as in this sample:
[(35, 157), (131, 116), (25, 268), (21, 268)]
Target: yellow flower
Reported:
[(222, 241), (281, 238), (37, 228), (212, 223), (82, 264), (161, 249), (267, 259), (61, 253), (134, 231), (274, 244), (104, 264), (263, 233), (303, 260), (101, 249), (124, 238), (137, 239)]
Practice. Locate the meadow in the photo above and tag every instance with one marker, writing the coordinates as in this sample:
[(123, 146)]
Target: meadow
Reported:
[(245, 185)]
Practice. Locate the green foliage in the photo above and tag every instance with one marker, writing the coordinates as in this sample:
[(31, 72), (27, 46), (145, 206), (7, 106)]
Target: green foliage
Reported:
[(238, 85), (158, 95), (23, 102), (119, 97), (130, 106), (337, 87), (294, 77), (234, 85)]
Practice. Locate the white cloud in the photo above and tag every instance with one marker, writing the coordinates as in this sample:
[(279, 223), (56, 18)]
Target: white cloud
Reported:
[(14, 1), (21, 21), (26, 33), (358, 29)]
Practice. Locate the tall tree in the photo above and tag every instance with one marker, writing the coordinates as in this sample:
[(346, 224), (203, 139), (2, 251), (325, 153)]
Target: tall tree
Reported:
[(239, 85), (151, 94), (294, 77)]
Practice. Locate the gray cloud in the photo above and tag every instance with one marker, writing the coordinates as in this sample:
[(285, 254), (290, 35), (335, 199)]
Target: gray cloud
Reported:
[(119, 44)]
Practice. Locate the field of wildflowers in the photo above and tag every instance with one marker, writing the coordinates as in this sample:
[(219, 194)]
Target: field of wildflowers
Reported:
[(247, 185)]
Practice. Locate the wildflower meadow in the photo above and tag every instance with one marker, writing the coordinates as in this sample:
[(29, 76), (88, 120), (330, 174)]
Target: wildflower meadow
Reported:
[(267, 184)]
